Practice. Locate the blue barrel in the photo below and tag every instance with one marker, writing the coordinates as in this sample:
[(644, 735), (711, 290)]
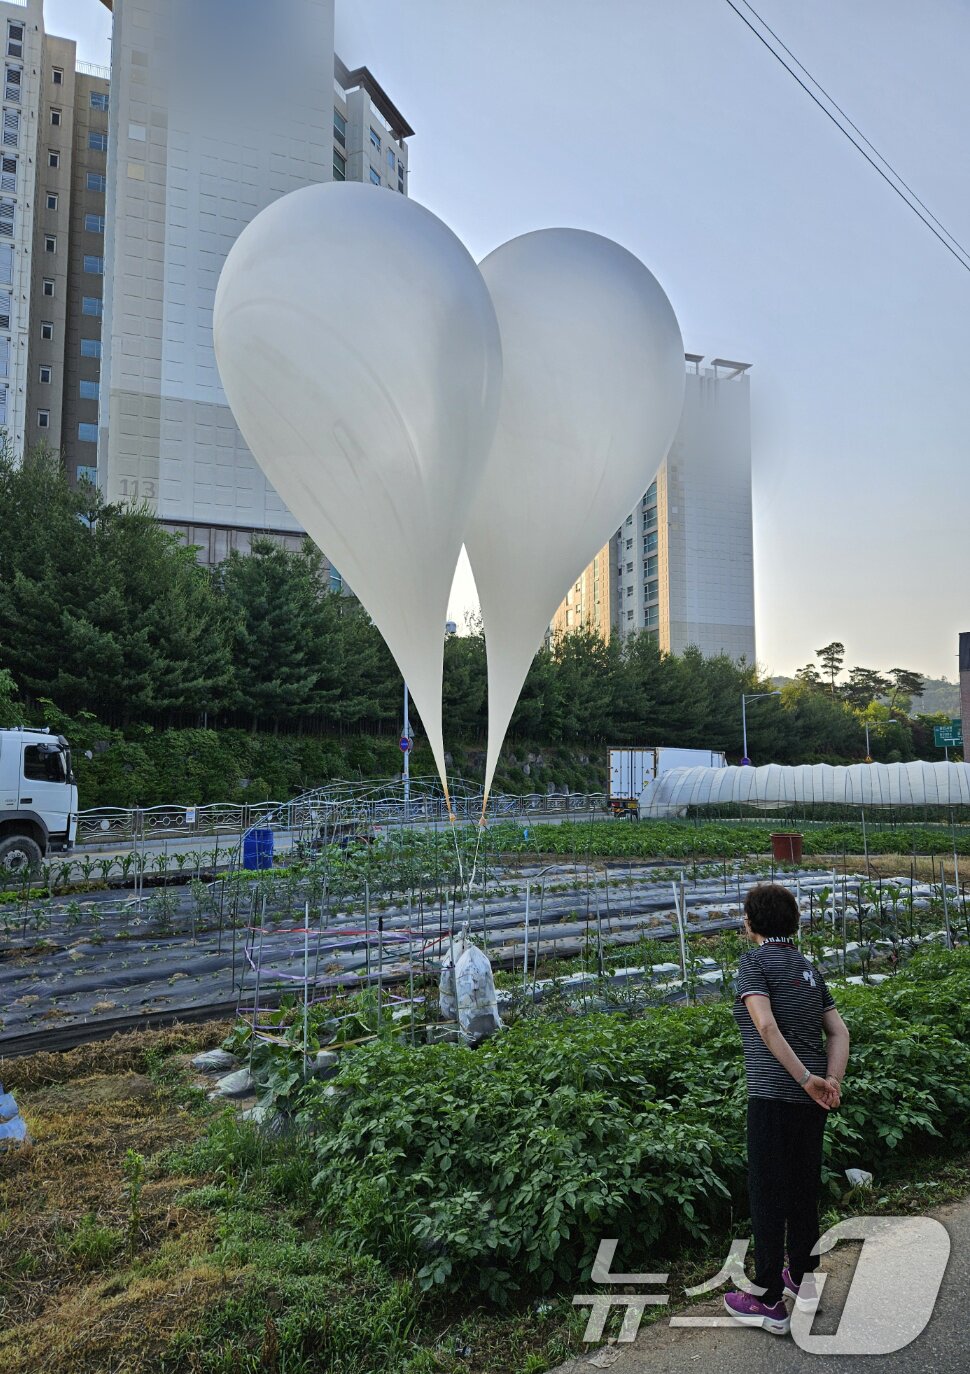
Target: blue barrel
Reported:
[(258, 849)]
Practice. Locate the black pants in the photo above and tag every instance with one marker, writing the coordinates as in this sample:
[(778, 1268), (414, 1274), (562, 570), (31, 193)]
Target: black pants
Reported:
[(784, 1169)]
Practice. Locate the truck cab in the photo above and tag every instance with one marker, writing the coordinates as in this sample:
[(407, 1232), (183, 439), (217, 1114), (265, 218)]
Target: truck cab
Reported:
[(38, 799)]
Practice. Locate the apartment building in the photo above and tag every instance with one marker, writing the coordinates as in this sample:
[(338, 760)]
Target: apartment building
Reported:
[(22, 35), (68, 257), (681, 566), (195, 154), (86, 272)]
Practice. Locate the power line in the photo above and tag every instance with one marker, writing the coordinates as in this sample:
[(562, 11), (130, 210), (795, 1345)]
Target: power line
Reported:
[(915, 204), (832, 101)]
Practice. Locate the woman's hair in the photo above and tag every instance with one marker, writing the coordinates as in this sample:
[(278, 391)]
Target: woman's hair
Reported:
[(771, 910)]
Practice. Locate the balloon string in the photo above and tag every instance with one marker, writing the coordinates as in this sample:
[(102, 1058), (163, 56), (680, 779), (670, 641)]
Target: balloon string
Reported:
[(454, 836), (471, 881)]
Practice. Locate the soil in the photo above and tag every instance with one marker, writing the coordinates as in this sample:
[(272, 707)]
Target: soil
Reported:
[(64, 1307)]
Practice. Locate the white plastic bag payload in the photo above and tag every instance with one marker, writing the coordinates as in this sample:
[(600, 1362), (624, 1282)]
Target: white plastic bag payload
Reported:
[(447, 1001), (475, 990)]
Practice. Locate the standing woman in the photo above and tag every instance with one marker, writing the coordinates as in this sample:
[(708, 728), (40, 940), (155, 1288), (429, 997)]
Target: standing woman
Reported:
[(782, 1006)]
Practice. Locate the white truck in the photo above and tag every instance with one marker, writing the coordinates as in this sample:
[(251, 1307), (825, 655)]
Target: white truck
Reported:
[(632, 770), (38, 799)]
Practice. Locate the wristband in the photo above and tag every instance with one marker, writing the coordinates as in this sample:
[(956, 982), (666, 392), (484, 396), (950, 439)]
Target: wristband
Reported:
[(804, 1078)]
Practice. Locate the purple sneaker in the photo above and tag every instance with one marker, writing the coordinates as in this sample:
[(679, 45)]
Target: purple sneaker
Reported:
[(804, 1293), (751, 1311)]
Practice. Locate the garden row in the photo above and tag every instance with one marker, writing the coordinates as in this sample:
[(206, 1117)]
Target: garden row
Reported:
[(680, 840)]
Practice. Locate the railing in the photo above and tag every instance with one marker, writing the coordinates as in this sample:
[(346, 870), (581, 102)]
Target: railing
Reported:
[(365, 804), (91, 69), (114, 823)]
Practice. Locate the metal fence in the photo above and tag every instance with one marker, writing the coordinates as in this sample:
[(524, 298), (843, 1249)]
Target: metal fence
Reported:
[(366, 803)]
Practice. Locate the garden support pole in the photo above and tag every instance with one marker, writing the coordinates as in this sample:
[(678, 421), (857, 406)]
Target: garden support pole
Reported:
[(946, 905)]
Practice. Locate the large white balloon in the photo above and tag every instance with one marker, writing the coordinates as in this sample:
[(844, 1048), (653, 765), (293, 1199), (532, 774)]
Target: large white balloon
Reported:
[(360, 354), (593, 388)]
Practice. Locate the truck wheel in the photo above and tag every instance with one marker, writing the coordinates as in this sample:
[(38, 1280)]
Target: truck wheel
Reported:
[(20, 855)]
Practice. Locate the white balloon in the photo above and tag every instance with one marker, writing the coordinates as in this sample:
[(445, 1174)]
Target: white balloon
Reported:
[(360, 354), (593, 387)]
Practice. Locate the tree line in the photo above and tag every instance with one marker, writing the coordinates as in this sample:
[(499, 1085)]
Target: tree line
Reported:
[(104, 613)]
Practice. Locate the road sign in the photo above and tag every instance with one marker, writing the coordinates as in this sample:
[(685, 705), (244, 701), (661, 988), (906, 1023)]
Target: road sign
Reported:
[(948, 736), (405, 744)]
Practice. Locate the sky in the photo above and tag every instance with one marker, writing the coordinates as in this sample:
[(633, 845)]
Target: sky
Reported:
[(671, 129)]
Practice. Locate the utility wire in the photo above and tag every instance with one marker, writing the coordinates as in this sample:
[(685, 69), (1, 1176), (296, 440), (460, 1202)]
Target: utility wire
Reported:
[(835, 104), (915, 204)]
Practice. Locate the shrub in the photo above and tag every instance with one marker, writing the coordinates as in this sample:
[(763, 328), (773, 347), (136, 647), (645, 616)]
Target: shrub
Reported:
[(500, 1169)]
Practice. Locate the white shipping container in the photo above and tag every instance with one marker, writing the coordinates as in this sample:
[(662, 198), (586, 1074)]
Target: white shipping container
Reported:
[(631, 770)]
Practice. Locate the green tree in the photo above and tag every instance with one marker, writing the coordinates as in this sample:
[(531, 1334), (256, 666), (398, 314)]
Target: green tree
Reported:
[(864, 685), (272, 600), (102, 610), (905, 685), (831, 657)]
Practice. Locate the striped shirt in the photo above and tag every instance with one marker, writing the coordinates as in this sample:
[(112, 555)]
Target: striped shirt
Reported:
[(799, 996)]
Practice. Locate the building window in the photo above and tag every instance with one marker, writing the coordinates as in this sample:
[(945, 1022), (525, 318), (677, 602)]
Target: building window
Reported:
[(629, 567), (100, 100), (340, 128), (6, 263), (52, 200), (87, 434), (56, 118), (50, 243), (53, 158), (15, 39), (11, 128), (650, 566), (43, 419), (6, 305), (629, 615), (375, 177), (8, 213), (94, 265), (339, 166), (650, 518), (46, 374), (57, 76), (651, 616), (47, 330), (629, 543), (92, 305), (650, 542), (400, 185), (86, 474), (90, 391), (8, 174), (98, 143), (94, 224), (13, 84), (90, 348), (651, 591), (391, 160), (97, 182), (375, 139), (48, 286)]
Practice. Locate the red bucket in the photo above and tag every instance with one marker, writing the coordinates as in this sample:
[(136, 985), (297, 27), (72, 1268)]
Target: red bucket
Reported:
[(786, 847)]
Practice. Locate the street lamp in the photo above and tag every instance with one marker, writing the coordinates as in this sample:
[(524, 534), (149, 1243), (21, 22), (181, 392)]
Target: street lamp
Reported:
[(745, 698), (891, 721)]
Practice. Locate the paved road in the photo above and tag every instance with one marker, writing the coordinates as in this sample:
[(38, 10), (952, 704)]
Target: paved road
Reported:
[(943, 1347)]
